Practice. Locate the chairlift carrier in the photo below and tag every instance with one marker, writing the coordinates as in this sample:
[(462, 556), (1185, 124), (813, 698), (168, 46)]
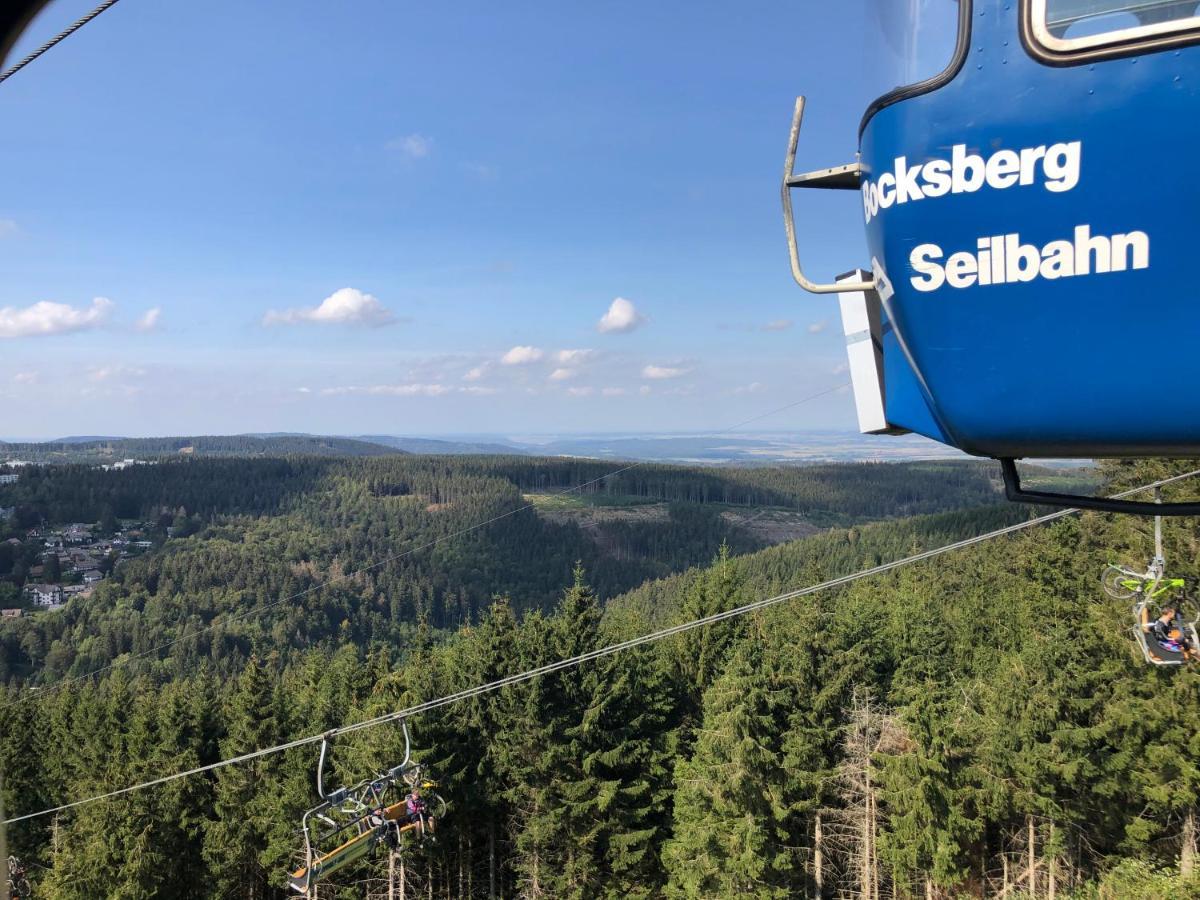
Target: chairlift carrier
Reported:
[(1031, 240), (355, 820), (1152, 651)]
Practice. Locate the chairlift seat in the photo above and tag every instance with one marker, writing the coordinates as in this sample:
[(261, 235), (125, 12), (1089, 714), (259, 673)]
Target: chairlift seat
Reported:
[(1154, 652)]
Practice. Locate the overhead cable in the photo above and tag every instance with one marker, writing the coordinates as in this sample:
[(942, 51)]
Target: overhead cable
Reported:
[(58, 38)]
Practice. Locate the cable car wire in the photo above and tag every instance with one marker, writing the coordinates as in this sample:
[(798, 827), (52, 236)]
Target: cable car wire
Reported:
[(38, 692), (599, 653), (58, 38)]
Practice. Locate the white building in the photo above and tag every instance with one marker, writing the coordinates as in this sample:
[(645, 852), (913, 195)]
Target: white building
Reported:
[(44, 594), (92, 576), (125, 464), (9, 478)]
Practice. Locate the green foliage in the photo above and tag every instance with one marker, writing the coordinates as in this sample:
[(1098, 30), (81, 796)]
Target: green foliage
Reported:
[(1009, 697), (1133, 879)]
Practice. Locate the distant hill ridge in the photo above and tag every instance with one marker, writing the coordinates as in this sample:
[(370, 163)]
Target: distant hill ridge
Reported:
[(83, 449), (435, 447)]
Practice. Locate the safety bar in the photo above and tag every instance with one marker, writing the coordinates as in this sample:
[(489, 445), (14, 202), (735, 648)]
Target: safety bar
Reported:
[(397, 771), (1014, 492), (321, 763), (844, 178)]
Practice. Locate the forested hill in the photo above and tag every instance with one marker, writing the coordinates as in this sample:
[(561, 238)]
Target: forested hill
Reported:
[(107, 450), (976, 725), (247, 533), (443, 447)]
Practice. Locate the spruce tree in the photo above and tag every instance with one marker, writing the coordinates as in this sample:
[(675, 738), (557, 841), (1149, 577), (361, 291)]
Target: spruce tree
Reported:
[(237, 836), (730, 831)]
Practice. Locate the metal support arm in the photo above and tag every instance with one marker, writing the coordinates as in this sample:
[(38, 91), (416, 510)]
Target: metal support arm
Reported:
[(1014, 492), (847, 177)]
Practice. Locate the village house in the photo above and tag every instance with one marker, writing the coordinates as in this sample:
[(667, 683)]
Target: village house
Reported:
[(92, 576), (10, 613), (9, 478), (77, 533), (44, 594)]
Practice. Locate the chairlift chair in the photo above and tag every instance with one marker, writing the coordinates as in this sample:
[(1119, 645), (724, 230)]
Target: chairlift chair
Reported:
[(352, 821)]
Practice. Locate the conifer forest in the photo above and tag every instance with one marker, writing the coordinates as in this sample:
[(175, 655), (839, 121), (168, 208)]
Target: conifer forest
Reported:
[(981, 724)]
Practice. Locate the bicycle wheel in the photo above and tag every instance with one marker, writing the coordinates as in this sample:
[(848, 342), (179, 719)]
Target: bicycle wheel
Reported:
[(1119, 584)]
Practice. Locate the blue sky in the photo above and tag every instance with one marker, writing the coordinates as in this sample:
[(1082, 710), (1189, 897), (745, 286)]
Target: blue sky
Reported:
[(378, 217)]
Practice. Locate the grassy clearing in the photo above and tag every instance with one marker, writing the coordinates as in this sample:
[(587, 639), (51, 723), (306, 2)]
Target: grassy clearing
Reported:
[(576, 500)]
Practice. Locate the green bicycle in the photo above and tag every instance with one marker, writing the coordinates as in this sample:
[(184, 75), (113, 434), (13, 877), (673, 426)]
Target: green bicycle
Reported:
[(1122, 583)]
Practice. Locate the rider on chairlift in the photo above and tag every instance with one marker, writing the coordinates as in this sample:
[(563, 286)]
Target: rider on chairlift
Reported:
[(414, 804), (1170, 631)]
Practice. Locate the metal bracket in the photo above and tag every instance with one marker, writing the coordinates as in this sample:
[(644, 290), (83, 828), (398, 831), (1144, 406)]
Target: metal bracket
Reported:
[(1014, 492), (837, 178), (843, 178)]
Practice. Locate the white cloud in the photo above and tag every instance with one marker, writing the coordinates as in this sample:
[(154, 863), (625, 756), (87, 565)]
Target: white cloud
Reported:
[(109, 373), (46, 318), (580, 391), (613, 392), (25, 378), (573, 357), (414, 146), (644, 390), (778, 325), (8, 228), (348, 306), (752, 388), (659, 373), (478, 391), (818, 327), (476, 373), (563, 374), (149, 319), (840, 369), (622, 317), (303, 390), (390, 390), (521, 356)]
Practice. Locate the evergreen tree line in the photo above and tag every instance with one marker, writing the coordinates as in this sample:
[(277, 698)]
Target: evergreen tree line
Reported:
[(978, 725), (838, 493), (286, 533)]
